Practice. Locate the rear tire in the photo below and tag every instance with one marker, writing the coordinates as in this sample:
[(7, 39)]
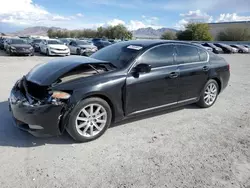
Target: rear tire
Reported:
[(209, 94), (47, 52), (86, 124)]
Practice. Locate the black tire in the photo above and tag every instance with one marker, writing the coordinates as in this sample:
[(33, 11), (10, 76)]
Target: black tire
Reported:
[(241, 51), (71, 127), (78, 52), (202, 103), (47, 52)]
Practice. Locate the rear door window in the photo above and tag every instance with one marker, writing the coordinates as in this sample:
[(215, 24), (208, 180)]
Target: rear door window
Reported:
[(186, 54)]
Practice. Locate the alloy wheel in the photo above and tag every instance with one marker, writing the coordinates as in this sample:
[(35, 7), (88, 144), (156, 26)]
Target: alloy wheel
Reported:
[(210, 94), (91, 120)]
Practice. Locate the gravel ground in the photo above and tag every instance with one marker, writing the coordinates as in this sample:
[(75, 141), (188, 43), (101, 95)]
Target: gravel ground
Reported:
[(184, 147)]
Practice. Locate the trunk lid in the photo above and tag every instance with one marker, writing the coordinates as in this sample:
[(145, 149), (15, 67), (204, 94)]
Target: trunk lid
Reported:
[(47, 73)]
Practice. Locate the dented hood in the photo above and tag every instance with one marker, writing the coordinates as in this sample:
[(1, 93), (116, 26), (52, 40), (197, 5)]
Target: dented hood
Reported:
[(47, 73)]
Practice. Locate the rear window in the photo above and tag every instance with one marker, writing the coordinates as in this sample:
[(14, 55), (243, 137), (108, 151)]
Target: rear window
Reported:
[(187, 54)]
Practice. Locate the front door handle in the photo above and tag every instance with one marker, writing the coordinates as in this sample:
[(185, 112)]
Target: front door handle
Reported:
[(205, 68), (173, 75)]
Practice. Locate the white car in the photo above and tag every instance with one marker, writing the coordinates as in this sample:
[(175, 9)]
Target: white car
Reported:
[(53, 47)]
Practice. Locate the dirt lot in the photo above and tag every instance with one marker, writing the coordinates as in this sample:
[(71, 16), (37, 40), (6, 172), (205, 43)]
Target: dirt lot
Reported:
[(187, 147)]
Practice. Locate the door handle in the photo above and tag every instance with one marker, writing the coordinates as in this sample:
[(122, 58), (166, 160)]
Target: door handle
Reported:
[(173, 75), (205, 68)]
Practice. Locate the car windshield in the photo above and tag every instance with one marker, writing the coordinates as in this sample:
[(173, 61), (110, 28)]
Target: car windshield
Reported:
[(120, 54), (54, 42), (82, 42), (18, 41)]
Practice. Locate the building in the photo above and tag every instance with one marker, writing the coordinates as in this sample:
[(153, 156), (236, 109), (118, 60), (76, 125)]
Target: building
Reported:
[(215, 28)]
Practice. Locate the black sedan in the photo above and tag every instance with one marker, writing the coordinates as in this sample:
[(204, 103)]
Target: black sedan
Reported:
[(17, 46), (216, 49), (84, 95)]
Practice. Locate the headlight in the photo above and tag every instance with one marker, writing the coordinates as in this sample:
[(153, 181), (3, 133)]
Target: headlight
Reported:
[(60, 95), (52, 48), (83, 48), (12, 47), (31, 48)]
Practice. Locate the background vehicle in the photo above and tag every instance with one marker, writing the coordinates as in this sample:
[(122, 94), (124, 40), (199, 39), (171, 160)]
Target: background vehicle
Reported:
[(53, 47), (35, 43), (1, 43), (101, 44), (226, 48), (82, 47), (241, 48), (66, 41), (17, 46), (5, 43), (216, 49), (206, 47), (87, 94)]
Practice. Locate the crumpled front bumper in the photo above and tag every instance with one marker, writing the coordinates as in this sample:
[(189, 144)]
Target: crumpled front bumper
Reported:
[(38, 119)]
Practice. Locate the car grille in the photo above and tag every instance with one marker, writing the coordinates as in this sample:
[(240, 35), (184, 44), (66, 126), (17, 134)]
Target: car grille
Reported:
[(22, 49), (60, 49)]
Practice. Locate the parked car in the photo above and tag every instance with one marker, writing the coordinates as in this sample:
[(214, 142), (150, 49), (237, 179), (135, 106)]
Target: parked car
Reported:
[(17, 46), (206, 47), (82, 47), (241, 48), (84, 95), (53, 47), (66, 41), (216, 49), (1, 43), (35, 43), (5, 43), (101, 44), (226, 48)]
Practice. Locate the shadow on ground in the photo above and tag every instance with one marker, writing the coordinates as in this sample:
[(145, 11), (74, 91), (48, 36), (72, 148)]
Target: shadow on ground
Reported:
[(14, 137)]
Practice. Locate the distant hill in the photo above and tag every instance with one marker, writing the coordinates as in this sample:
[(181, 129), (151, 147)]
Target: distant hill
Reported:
[(37, 30), (150, 32), (139, 33)]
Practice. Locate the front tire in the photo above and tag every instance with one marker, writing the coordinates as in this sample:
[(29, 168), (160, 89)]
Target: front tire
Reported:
[(209, 94), (89, 119), (78, 52)]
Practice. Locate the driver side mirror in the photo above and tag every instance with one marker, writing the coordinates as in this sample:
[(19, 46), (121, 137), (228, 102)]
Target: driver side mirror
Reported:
[(143, 68)]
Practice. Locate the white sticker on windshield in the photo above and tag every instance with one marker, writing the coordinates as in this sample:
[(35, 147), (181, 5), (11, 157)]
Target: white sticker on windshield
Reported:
[(134, 47)]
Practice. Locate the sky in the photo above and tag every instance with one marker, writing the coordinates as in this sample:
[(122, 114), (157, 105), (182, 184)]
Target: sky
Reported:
[(134, 14)]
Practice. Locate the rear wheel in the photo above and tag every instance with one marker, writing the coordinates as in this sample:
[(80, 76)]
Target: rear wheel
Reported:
[(89, 119), (209, 94), (47, 52)]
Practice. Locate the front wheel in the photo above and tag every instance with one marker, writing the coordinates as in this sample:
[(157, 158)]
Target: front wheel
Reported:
[(47, 52), (209, 94), (89, 119)]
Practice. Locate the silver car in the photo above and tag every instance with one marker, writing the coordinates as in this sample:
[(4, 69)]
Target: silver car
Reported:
[(240, 48), (82, 47)]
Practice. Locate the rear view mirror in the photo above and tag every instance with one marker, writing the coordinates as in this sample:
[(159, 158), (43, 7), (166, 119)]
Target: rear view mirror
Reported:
[(143, 68)]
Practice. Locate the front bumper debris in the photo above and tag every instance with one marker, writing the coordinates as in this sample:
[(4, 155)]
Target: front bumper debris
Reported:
[(38, 119)]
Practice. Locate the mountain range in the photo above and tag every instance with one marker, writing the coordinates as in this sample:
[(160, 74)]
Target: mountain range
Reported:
[(139, 33)]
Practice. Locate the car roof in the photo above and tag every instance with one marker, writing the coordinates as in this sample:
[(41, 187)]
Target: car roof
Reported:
[(148, 43)]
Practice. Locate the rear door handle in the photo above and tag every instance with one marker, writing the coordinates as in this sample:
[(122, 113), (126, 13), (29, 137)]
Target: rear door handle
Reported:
[(205, 68), (173, 75)]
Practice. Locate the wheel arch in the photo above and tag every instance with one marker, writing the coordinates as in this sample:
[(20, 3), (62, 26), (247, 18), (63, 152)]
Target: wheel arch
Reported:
[(218, 82), (105, 98)]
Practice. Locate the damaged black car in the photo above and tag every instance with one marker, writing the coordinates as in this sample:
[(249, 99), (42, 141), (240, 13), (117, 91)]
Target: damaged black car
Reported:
[(84, 95)]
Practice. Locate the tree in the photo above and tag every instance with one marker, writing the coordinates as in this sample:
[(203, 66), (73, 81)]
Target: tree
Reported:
[(195, 31), (168, 35), (234, 34)]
